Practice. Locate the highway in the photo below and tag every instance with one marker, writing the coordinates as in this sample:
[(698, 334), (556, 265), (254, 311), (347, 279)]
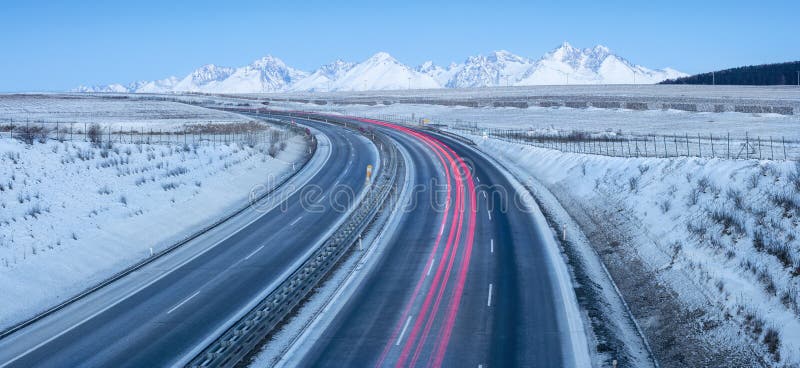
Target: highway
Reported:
[(161, 314), (465, 282)]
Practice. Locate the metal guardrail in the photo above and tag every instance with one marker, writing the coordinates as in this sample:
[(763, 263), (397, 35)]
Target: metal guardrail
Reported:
[(138, 265), (241, 338)]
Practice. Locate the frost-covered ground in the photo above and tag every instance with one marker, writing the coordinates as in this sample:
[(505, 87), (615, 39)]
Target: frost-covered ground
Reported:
[(774, 93), (119, 111), (720, 235), (588, 119), (73, 214)]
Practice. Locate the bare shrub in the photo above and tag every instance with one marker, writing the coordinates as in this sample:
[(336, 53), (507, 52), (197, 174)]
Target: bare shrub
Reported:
[(29, 134), (773, 341), (782, 252), (665, 205), (752, 181), (794, 177), (789, 203), (180, 170), (758, 241), (95, 134), (703, 184), (693, 196), (737, 198), (34, 211), (633, 183), (731, 222), (104, 190)]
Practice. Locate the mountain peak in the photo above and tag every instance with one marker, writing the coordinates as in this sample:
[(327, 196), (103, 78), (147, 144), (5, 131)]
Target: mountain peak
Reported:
[(601, 49), (381, 71), (506, 56), (565, 53), (382, 56), (566, 46), (266, 61)]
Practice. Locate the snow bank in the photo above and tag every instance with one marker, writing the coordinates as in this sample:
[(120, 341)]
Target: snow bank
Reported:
[(722, 234)]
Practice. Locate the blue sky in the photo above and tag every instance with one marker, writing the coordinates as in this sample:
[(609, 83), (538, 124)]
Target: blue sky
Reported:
[(57, 45)]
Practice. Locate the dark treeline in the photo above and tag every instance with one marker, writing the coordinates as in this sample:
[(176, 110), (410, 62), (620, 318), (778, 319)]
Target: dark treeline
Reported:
[(756, 75)]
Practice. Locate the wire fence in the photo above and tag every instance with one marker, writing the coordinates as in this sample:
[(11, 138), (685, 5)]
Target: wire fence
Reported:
[(250, 133), (619, 144), (653, 145)]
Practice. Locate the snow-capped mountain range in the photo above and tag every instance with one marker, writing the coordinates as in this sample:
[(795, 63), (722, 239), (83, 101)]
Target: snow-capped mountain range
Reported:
[(564, 65)]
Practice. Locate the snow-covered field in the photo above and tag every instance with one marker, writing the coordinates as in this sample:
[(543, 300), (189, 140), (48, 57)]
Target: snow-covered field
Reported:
[(73, 213), (121, 113), (721, 234), (789, 94), (589, 119)]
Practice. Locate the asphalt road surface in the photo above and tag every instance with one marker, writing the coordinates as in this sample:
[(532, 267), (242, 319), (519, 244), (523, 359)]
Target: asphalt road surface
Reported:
[(465, 281)]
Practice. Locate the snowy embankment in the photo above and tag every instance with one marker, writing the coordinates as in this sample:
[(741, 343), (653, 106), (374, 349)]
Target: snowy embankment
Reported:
[(718, 236), (74, 213)]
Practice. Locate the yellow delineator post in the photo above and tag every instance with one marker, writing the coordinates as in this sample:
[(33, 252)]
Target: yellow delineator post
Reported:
[(369, 173)]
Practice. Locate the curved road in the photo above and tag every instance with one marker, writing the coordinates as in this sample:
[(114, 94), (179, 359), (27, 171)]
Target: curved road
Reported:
[(182, 304), (465, 282)]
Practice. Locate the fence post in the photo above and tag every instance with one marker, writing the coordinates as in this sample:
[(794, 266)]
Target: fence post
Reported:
[(675, 140), (771, 152), (699, 146), (783, 140), (759, 147), (645, 146), (746, 147), (666, 152), (729, 146), (711, 138), (687, 144)]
